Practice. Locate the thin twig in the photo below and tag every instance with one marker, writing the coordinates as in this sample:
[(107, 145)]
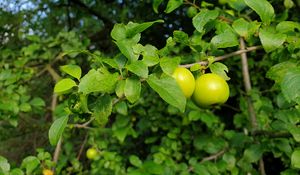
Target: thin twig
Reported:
[(214, 156), (57, 152), (84, 125), (223, 57), (191, 3), (55, 77), (251, 111), (57, 58), (271, 134), (82, 146)]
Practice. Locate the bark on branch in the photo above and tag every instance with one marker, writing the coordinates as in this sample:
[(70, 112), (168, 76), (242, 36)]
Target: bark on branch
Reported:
[(223, 57)]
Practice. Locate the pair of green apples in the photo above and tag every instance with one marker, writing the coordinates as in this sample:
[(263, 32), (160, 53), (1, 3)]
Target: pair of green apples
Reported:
[(208, 89)]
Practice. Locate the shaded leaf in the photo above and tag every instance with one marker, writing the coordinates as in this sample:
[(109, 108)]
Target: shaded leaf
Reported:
[(172, 5), (295, 159), (132, 89), (57, 128), (102, 109), (30, 163), (287, 26), (253, 153), (156, 4), (134, 28), (271, 40), (203, 17), (278, 71), (290, 85), (134, 160)]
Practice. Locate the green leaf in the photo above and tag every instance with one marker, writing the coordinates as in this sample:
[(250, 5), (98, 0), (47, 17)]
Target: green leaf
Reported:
[(295, 131), (120, 88), (30, 163), (16, 171), (150, 56), (253, 153), (201, 169), (153, 168), (37, 102), (224, 40), (287, 26), (64, 85), (132, 89), (57, 128), (121, 132), (134, 28), (168, 65), (278, 71), (126, 47), (263, 8), (121, 108), (238, 5), (73, 70), (118, 32), (271, 40), (220, 69), (168, 90), (98, 81), (25, 107), (295, 159), (230, 160), (181, 37), (207, 118), (139, 68), (4, 165), (241, 27), (102, 109), (156, 4), (290, 85), (203, 18), (172, 5), (134, 160)]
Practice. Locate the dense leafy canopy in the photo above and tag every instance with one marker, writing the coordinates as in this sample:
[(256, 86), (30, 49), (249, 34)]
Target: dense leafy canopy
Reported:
[(82, 74)]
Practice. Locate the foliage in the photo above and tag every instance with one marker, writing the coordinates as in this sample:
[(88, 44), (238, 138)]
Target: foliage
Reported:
[(119, 97)]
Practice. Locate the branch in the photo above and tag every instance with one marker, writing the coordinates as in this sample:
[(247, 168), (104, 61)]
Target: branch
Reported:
[(83, 6), (84, 125), (82, 146), (214, 156), (53, 73), (271, 134), (247, 84), (57, 152), (223, 57), (191, 3)]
